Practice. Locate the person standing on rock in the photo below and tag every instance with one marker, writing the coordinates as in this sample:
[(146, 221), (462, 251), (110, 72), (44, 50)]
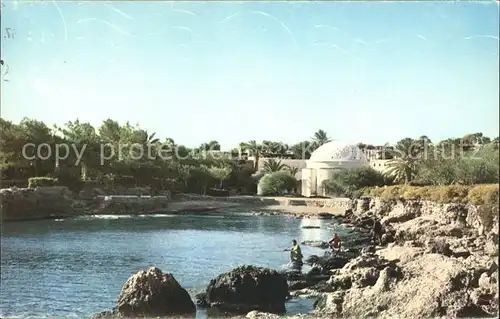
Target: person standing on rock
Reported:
[(335, 242), (377, 232), (295, 255)]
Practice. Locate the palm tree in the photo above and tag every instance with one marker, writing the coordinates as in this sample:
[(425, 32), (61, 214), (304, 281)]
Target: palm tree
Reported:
[(272, 165), (401, 169), (320, 138), (83, 136), (302, 150), (404, 166), (293, 170), (253, 149)]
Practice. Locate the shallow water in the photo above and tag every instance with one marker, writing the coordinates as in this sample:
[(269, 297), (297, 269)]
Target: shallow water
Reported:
[(76, 267)]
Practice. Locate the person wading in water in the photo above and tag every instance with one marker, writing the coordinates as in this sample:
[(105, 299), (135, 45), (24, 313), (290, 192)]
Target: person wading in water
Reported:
[(335, 242), (295, 255)]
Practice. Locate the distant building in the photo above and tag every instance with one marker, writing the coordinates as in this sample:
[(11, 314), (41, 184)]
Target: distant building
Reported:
[(324, 162)]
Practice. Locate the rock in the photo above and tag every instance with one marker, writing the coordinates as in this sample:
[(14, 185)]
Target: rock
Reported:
[(261, 315), (387, 238), (324, 215), (491, 246), (328, 261), (201, 300), (316, 243), (368, 250), (399, 216), (248, 288), (299, 284), (330, 304), (438, 247), (105, 315), (153, 293), (292, 274), (460, 252)]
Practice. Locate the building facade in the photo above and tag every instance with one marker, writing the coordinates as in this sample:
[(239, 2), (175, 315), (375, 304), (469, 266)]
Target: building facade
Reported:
[(324, 162)]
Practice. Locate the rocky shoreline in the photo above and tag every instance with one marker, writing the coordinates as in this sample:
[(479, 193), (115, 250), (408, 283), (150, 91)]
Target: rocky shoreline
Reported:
[(433, 260)]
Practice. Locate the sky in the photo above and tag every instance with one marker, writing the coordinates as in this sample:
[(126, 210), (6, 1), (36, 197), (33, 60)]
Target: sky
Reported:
[(371, 72)]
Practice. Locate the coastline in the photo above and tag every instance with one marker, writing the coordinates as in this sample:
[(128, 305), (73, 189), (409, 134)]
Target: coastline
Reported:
[(24, 204), (429, 253)]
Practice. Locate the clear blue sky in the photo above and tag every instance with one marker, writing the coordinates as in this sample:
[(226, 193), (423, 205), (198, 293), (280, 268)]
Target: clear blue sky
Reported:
[(234, 71)]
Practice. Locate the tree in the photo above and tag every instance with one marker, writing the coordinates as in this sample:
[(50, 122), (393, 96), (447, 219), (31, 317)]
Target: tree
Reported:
[(320, 138), (303, 150), (272, 165), (403, 167), (221, 174), (38, 133), (292, 170), (12, 161), (252, 148), (210, 146), (346, 182), (84, 138), (180, 169), (277, 183)]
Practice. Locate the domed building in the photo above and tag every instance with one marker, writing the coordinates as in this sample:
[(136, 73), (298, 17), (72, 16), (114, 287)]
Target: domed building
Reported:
[(325, 161)]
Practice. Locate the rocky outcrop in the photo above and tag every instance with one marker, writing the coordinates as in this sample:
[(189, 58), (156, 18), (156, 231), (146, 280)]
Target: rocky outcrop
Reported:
[(398, 211), (246, 288), (132, 205), (439, 260), (35, 203), (408, 282), (151, 293)]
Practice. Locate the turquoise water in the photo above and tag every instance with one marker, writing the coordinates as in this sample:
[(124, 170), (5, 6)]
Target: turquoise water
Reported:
[(76, 267)]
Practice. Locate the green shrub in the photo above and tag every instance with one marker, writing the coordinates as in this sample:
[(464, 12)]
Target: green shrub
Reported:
[(349, 181), (70, 178), (42, 182), (334, 188), (486, 194), (277, 183), (489, 209), (20, 183), (483, 194)]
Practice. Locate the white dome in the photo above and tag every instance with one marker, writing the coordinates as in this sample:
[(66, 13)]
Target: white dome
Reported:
[(337, 151)]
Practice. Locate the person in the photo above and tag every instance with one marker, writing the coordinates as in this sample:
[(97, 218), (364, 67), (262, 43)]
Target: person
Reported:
[(295, 255), (377, 232), (335, 242)]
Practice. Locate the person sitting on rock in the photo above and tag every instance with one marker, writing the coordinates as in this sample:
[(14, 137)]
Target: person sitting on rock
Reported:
[(377, 232), (295, 254), (335, 242)]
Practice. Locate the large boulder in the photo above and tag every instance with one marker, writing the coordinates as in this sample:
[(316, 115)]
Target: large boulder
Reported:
[(329, 261), (153, 293), (248, 288)]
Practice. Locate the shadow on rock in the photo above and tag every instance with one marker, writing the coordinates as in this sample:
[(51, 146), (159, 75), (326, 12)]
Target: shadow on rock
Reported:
[(244, 289)]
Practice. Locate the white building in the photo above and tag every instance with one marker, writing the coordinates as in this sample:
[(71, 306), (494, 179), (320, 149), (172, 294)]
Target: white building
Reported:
[(325, 161)]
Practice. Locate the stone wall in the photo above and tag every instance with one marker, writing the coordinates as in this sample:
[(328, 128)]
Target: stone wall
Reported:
[(35, 203)]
